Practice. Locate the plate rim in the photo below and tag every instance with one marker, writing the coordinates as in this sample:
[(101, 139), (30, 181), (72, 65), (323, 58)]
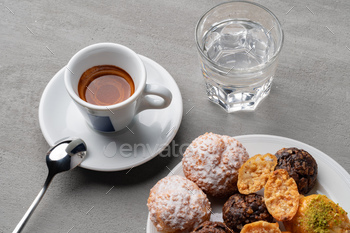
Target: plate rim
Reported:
[(177, 121)]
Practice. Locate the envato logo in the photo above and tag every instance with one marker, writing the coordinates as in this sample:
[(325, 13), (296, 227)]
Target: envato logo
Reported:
[(143, 150)]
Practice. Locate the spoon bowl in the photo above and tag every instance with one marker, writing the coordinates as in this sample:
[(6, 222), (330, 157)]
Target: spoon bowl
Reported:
[(64, 156)]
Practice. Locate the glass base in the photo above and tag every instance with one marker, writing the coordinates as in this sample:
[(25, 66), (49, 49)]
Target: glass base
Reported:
[(233, 99)]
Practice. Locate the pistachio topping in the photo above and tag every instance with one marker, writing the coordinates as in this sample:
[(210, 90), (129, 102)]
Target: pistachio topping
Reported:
[(322, 215)]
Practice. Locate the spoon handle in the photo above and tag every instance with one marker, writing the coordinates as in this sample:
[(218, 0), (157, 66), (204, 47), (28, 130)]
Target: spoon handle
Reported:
[(33, 206)]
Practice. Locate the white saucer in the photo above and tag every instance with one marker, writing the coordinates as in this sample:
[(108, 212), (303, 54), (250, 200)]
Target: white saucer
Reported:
[(148, 134)]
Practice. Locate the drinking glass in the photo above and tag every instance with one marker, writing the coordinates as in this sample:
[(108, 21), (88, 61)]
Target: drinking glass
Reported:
[(238, 44)]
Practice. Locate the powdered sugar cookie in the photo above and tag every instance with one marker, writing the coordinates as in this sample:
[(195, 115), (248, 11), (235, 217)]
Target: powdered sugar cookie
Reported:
[(212, 162), (176, 204)]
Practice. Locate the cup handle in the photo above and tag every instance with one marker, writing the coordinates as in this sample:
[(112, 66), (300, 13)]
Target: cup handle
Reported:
[(149, 102)]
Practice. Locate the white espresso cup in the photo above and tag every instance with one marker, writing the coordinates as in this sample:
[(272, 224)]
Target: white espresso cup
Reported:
[(117, 116)]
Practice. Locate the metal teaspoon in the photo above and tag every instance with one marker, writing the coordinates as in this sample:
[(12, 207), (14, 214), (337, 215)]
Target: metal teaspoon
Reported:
[(64, 156)]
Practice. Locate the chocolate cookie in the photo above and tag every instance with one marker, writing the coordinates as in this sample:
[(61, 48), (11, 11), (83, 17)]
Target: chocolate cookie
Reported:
[(301, 166), (242, 209), (211, 227)]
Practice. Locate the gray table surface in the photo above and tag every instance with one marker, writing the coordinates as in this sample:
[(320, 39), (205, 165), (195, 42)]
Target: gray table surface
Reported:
[(309, 100)]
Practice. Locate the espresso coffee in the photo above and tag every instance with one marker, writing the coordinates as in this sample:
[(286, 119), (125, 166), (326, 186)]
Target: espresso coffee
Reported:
[(105, 85)]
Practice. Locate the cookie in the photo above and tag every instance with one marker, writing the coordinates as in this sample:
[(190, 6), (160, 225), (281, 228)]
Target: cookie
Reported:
[(212, 162), (211, 227), (317, 213), (176, 205), (242, 209), (253, 174), (301, 166), (281, 195), (261, 227)]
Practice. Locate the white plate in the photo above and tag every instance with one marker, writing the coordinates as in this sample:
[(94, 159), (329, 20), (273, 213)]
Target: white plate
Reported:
[(148, 134), (332, 179)]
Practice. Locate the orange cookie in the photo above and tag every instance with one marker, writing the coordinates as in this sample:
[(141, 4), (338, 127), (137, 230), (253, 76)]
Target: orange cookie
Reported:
[(253, 174), (261, 227), (281, 195)]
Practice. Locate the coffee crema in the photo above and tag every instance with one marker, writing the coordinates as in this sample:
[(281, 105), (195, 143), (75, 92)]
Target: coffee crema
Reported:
[(105, 85)]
